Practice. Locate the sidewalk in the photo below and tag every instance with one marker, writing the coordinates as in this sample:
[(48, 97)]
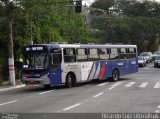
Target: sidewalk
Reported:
[(5, 86)]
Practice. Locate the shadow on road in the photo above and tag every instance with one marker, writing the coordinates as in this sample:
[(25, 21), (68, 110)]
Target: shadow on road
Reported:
[(62, 87)]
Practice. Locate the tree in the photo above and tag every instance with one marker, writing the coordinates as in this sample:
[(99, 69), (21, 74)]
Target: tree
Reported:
[(130, 21), (40, 21)]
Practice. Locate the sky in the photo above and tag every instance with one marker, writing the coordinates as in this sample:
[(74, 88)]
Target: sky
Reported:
[(89, 2)]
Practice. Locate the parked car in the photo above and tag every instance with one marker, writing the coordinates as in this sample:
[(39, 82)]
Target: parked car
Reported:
[(147, 56), (157, 61), (141, 61), (155, 54)]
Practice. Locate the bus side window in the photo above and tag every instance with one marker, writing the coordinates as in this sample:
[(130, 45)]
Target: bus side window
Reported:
[(131, 53), (55, 57), (103, 54), (93, 54), (81, 55), (69, 55), (114, 53), (122, 53)]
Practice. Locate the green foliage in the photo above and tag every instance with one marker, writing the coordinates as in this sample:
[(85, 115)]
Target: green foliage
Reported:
[(43, 22), (103, 4), (40, 21), (129, 21)]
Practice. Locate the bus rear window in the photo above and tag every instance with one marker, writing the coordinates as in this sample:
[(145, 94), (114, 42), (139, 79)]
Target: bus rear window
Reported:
[(131, 53)]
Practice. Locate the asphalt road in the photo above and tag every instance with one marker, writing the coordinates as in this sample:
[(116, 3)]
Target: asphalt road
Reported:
[(134, 93)]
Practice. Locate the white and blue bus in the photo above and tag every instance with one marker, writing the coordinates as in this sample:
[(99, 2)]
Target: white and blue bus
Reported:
[(53, 64)]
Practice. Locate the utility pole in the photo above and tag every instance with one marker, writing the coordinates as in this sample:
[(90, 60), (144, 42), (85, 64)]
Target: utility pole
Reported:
[(69, 27), (10, 6), (31, 32)]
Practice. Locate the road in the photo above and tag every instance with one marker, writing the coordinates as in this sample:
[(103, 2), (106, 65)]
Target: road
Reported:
[(138, 92)]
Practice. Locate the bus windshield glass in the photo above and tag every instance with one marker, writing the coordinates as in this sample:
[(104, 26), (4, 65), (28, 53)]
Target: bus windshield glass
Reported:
[(35, 61)]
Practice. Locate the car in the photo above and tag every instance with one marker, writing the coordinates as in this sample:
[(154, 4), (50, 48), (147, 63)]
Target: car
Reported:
[(157, 61), (147, 56), (155, 54), (141, 61)]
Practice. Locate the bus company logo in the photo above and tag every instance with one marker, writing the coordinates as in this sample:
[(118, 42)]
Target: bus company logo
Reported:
[(120, 64), (84, 66)]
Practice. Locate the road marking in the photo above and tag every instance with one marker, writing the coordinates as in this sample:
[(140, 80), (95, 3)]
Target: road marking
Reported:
[(45, 92), (157, 111), (73, 106), (97, 95), (102, 84), (143, 85), (130, 84), (157, 85), (8, 102), (115, 85)]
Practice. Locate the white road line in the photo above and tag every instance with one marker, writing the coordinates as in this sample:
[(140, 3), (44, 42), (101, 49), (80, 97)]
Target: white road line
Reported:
[(68, 108), (143, 85), (45, 92), (157, 85), (157, 111), (8, 102), (130, 84), (102, 84), (115, 85), (98, 94)]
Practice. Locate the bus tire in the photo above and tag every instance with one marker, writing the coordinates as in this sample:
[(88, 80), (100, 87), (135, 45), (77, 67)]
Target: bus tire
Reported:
[(47, 86), (70, 80), (115, 75)]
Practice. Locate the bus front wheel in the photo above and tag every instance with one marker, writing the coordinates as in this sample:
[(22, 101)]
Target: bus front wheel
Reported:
[(70, 81), (115, 75), (47, 86)]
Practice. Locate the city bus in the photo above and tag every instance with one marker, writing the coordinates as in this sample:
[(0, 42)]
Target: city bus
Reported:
[(69, 64)]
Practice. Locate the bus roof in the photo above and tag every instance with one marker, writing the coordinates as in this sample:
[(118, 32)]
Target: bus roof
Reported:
[(85, 45), (96, 46)]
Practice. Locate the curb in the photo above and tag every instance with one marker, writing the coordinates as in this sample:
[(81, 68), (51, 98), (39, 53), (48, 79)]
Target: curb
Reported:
[(13, 87)]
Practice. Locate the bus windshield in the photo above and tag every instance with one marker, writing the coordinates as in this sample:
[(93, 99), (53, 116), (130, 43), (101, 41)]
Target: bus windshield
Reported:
[(35, 61)]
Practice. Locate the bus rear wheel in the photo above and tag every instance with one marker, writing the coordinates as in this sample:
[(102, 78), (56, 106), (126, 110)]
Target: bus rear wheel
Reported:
[(115, 75), (70, 81)]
